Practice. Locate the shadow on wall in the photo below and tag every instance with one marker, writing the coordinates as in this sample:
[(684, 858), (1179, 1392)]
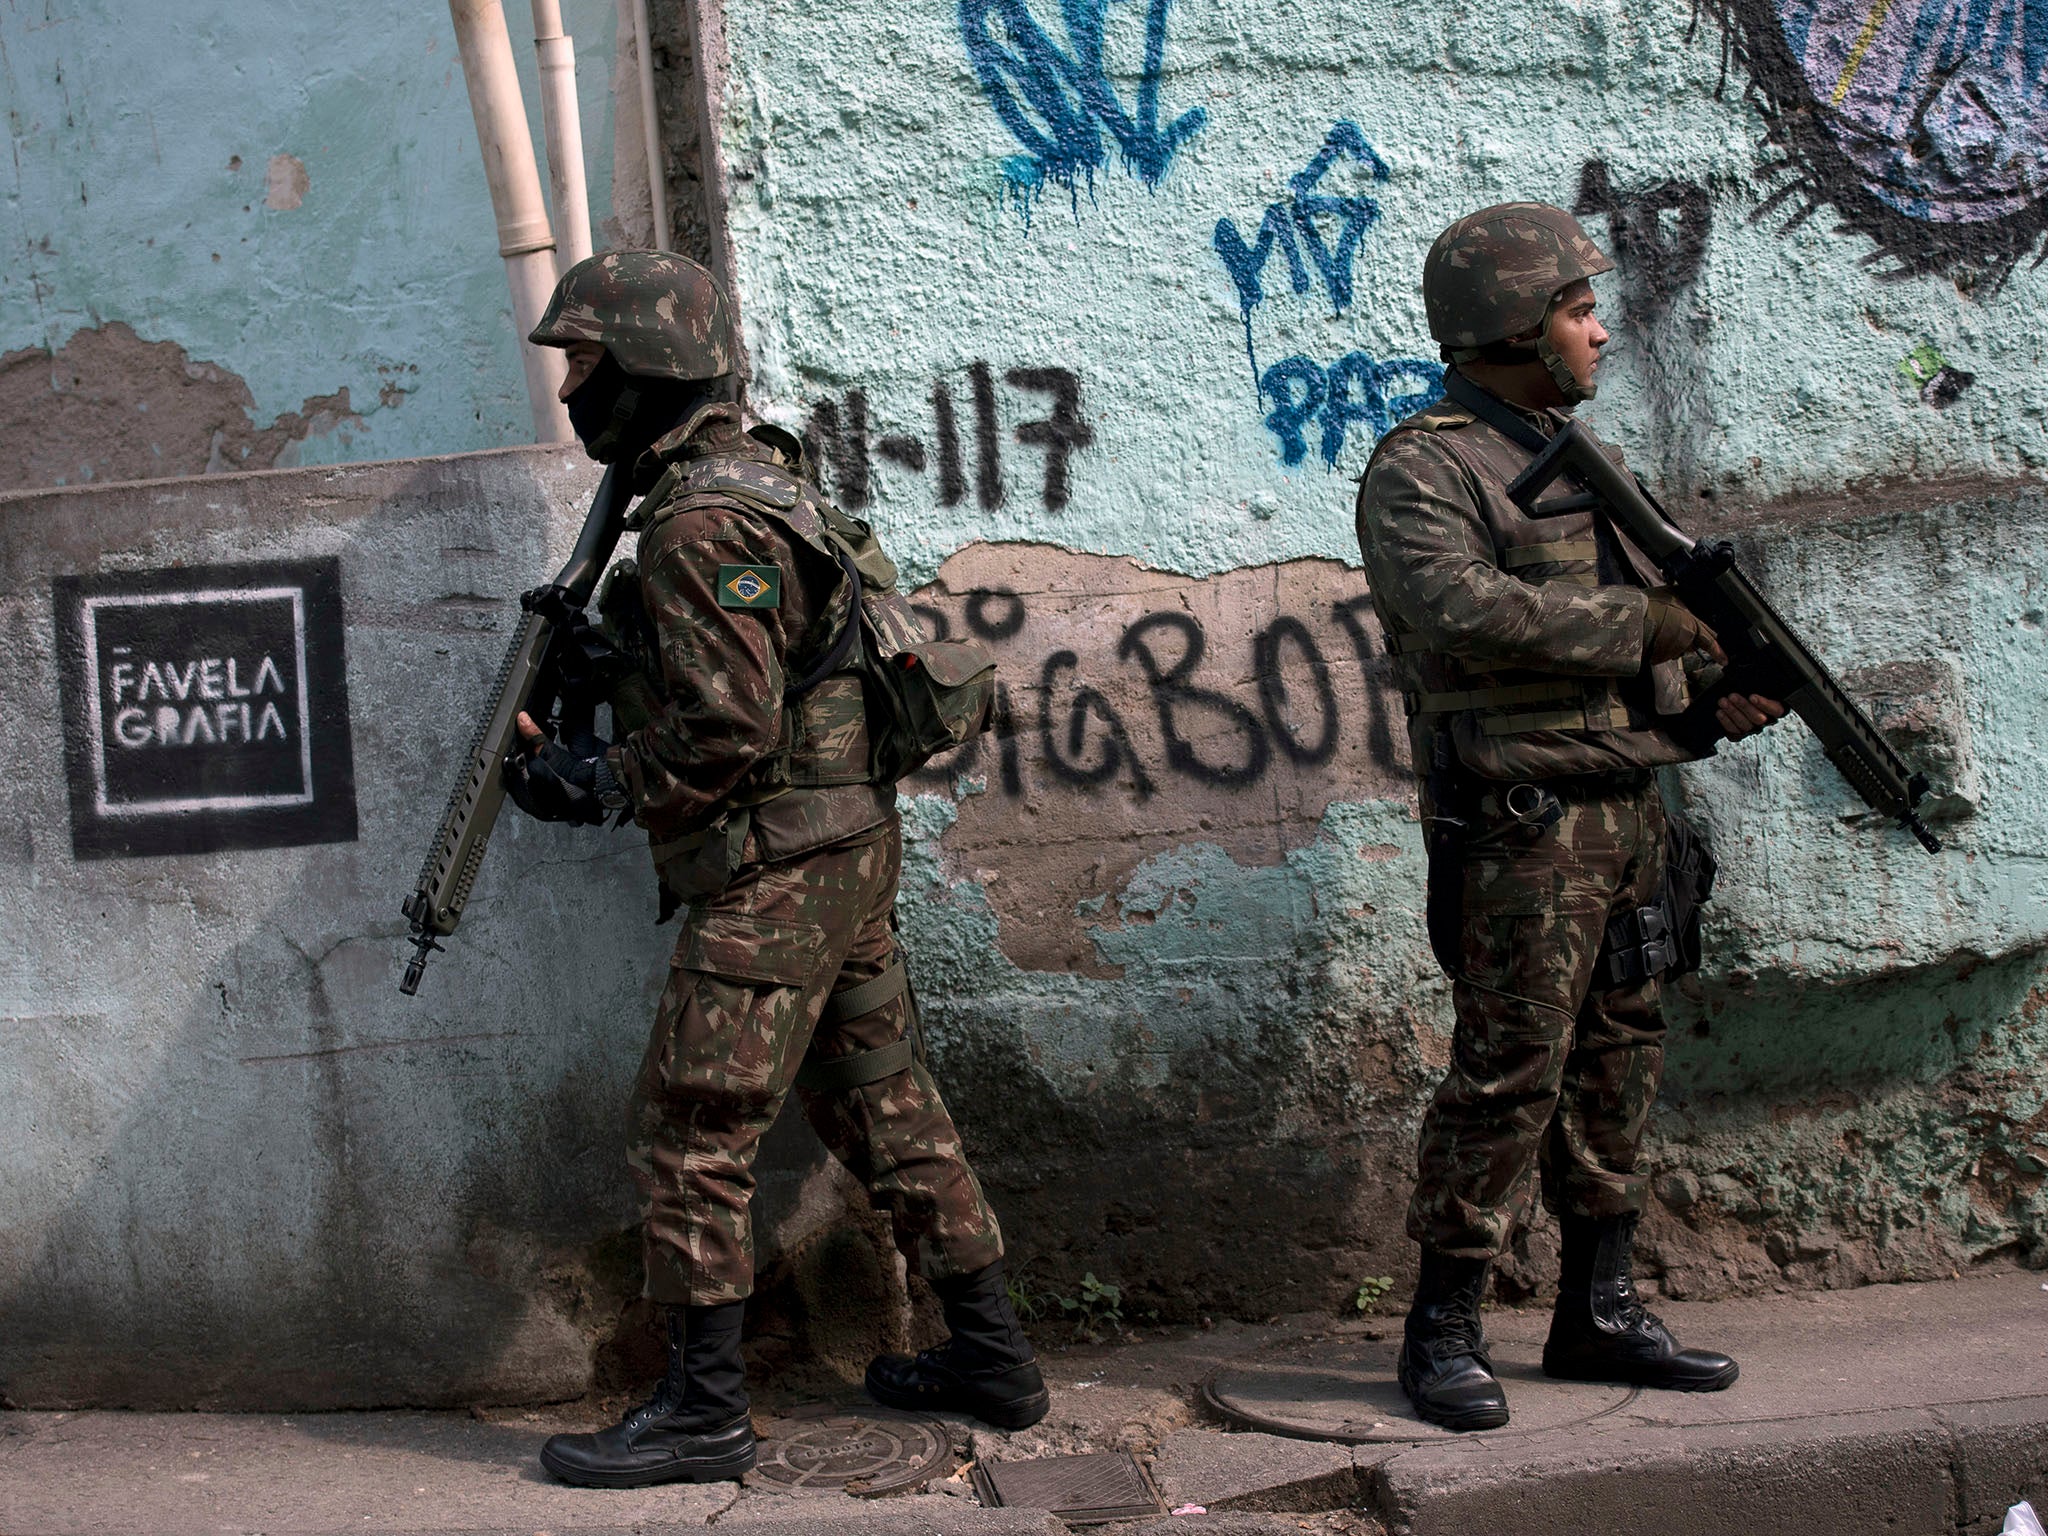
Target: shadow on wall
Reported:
[(1165, 929)]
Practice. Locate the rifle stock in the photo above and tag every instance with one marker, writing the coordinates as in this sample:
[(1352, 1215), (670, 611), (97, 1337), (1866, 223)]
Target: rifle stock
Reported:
[(457, 851), (1765, 655)]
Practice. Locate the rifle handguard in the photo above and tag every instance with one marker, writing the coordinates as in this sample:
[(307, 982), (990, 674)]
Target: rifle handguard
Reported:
[(1762, 648)]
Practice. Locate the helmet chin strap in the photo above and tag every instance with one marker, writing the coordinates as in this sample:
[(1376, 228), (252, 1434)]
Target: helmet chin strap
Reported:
[(1512, 353), (1561, 372)]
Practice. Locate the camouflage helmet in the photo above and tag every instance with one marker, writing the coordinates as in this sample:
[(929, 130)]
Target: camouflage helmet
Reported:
[(660, 315), (1493, 274)]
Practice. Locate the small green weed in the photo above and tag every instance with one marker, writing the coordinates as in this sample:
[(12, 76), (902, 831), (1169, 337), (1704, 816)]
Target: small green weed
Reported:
[(1097, 1312), (1371, 1291), (1094, 1313), (1028, 1304)]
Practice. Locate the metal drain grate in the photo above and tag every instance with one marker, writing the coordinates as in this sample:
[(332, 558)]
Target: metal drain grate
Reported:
[(864, 1454), (1081, 1490)]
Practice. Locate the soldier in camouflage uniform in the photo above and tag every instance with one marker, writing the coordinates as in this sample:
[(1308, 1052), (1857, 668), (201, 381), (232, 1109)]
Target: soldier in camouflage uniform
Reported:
[(744, 752), (1545, 677)]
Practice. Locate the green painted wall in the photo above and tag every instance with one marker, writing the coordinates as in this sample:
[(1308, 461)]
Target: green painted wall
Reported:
[(1828, 322), (144, 190)]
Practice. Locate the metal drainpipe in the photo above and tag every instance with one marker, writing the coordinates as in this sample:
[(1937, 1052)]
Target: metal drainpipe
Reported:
[(650, 125), (556, 51), (524, 239)]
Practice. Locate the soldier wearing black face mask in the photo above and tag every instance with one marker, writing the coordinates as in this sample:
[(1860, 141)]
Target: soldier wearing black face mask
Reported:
[(748, 752)]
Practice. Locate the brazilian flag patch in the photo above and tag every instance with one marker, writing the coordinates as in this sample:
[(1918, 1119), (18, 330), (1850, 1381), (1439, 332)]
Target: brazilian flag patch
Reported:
[(750, 586)]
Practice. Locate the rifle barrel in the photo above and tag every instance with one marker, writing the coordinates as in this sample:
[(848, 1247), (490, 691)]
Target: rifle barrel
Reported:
[(457, 852)]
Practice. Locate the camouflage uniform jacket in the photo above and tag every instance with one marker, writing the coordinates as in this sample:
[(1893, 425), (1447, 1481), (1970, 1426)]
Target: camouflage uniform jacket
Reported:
[(1525, 634), (726, 750)]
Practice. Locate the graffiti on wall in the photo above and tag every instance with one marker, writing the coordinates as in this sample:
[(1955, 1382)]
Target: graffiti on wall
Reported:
[(1141, 711), (1355, 391), (1658, 234), (1317, 229), (1923, 123), (839, 443), (1059, 103), (1296, 227), (1932, 377)]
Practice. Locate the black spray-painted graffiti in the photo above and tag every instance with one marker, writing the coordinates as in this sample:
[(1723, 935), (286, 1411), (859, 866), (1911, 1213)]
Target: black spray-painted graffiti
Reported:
[(1658, 235), (1356, 390), (1058, 102), (839, 444), (1205, 736), (205, 708), (1923, 123), (1291, 227)]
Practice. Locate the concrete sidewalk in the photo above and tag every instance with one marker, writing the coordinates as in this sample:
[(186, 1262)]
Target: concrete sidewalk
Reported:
[(1920, 1410)]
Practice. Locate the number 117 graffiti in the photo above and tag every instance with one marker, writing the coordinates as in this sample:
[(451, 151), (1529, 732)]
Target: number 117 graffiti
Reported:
[(1058, 103)]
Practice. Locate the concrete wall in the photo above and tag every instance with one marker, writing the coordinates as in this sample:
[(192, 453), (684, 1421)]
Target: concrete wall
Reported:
[(242, 238), (239, 1167), (1165, 924)]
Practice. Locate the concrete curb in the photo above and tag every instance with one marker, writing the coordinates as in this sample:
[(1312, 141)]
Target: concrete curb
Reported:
[(1956, 1468)]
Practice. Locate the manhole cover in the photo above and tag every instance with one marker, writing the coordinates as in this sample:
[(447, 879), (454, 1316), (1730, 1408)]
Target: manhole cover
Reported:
[(1343, 1389), (866, 1453), (1081, 1490)]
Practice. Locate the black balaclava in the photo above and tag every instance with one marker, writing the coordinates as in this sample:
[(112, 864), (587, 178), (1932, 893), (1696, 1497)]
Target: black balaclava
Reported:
[(619, 415)]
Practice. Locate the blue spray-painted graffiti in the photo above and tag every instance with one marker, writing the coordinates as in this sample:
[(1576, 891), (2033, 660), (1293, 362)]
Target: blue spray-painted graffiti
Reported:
[(1355, 390), (1058, 103), (1291, 227)]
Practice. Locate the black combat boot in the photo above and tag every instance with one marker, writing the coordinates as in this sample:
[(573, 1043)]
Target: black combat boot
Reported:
[(695, 1429), (986, 1369), (1600, 1331), (1444, 1366)]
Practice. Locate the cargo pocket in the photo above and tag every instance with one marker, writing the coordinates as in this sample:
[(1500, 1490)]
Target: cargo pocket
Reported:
[(751, 949), (831, 735), (1497, 944)]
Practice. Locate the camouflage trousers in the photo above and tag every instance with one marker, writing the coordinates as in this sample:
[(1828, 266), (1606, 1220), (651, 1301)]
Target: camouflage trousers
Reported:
[(753, 968), (1551, 1078)]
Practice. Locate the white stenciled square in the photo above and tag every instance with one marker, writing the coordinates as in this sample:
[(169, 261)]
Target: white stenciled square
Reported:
[(198, 701)]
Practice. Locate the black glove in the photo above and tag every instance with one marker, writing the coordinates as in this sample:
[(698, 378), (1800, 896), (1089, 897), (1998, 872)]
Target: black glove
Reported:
[(565, 781)]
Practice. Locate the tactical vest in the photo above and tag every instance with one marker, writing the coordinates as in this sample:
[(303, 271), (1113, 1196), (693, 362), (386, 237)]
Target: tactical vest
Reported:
[(878, 698), (1514, 723)]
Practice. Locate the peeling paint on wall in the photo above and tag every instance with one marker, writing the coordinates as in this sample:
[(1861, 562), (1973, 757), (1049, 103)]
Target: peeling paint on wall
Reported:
[(1142, 711), (322, 234), (1176, 968), (286, 183), (108, 405)]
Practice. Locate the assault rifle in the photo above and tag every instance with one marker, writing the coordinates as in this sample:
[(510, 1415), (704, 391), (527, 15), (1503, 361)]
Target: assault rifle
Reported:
[(533, 678), (1764, 655)]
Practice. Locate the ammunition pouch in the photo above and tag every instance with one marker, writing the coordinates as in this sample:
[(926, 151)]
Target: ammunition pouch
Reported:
[(1663, 937), (1638, 945), (843, 1074)]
